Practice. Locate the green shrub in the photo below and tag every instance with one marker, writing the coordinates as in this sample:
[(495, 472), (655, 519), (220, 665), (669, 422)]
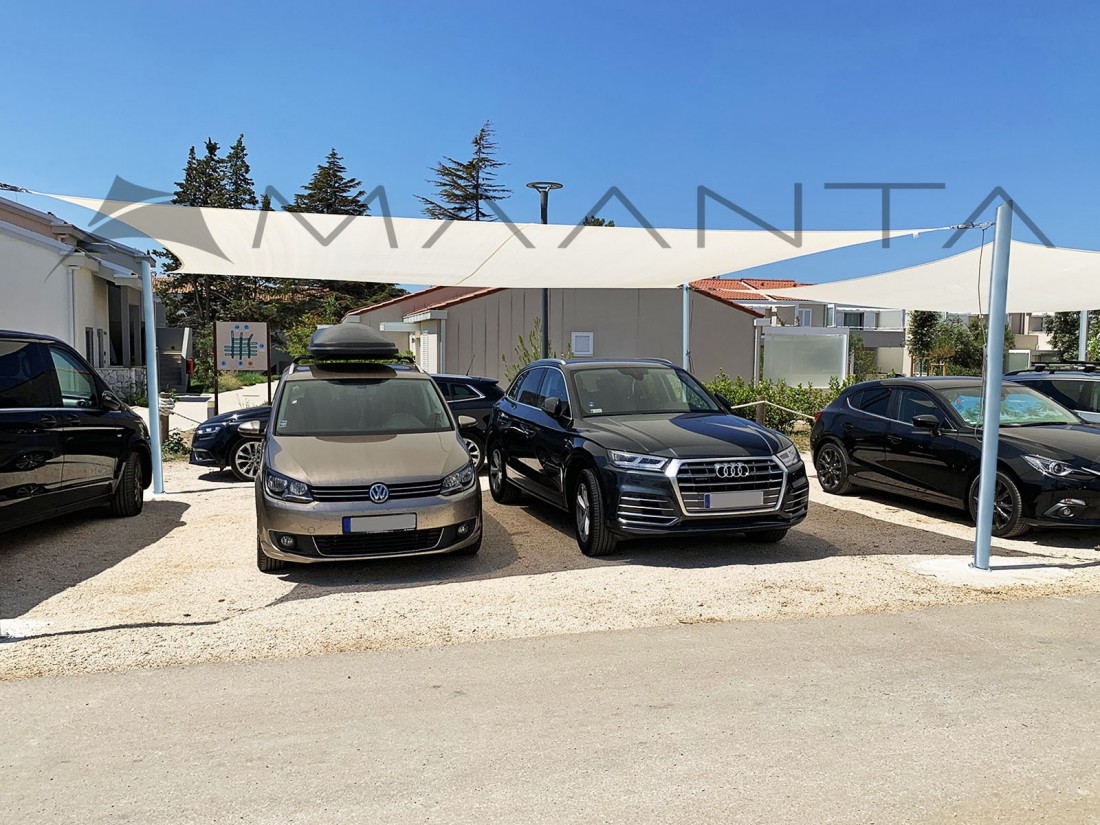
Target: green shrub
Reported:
[(175, 446), (807, 400)]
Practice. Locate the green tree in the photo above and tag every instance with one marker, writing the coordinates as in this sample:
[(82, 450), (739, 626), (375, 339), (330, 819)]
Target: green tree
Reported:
[(1064, 329), (331, 191), (464, 187), (592, 220), (921, 336), (528, 348)]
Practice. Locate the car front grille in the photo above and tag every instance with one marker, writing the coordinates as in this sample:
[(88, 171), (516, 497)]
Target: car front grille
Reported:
[(646, 511), (361, 492), (695, 479), (798, 501), (378, 543)]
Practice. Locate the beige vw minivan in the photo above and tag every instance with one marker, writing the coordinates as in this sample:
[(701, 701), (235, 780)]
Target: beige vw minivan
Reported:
[(362, 459)]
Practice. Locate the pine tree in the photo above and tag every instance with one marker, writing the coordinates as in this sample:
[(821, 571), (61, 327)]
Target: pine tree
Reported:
[(331, 192), (240, 192), (592, 220), (464, 187)]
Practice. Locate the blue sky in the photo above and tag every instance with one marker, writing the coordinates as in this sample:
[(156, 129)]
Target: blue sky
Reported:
[(655, 98)]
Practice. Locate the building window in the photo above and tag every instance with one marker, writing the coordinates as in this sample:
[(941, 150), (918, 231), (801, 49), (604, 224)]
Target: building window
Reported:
[(854, 320), (805, 317), (583, 343)]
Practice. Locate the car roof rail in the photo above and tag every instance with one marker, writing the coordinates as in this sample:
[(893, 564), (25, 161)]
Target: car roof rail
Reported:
[(1049, 366)]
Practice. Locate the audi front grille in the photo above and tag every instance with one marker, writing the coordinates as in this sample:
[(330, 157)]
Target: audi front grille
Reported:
[(696, 478)]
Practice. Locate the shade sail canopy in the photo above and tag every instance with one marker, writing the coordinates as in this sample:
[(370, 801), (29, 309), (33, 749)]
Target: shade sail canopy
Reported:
[(1040, 279), (461, 253)]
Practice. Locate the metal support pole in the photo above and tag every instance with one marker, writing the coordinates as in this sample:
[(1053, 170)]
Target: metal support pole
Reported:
[(994, 367), (544, 187), (152, 382), (686, 328), (1083, 337)]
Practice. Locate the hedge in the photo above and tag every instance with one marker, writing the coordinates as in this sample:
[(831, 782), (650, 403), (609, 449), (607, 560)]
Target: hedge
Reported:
[(808, 400)]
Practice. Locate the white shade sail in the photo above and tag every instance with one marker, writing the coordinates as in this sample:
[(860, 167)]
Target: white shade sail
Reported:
[(466, 253), (1040, 279)]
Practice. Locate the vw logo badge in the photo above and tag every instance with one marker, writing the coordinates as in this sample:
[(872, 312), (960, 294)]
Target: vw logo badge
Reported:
[(379, 493), (734, 469)]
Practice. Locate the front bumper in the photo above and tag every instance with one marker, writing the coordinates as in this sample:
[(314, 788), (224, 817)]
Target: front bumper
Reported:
[(444, 524), (647, 504), (1060, 502), (209, 450)]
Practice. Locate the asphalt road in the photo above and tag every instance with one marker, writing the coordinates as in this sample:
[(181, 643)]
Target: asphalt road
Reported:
[(973, 714)]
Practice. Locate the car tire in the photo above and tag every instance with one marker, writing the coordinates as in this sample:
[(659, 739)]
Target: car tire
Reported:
[(266, 563), (475, 446), (831, 464), (768, 536), (590, 518), (1008, 507), (472, 550), (245, 457), (129, 499), (500, 488)]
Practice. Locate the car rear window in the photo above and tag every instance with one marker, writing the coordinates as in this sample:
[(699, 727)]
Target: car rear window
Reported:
[(25, 376), (873, 400)]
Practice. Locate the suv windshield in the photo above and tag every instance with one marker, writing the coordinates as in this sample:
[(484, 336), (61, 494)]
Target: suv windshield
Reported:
[(639, 390), (1020, 407), (361, 406)]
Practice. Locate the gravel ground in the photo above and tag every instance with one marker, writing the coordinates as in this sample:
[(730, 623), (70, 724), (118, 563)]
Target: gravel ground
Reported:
[(179, 584)]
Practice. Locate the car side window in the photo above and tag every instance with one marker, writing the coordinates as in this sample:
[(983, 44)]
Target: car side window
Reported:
[(874, 400), (553, 386), (1072, 394), (78, 387), (25, 379), (445, 388), (513, 389), (529, 389), (463, 392), (912, 403)]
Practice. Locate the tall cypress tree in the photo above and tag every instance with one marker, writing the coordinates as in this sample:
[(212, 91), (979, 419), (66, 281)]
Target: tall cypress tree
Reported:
[(464, 187)]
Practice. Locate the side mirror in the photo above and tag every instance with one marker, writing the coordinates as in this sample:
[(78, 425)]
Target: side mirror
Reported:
[(109, 401), (253, 427), (466, 422), (552, 406), (926, 422)]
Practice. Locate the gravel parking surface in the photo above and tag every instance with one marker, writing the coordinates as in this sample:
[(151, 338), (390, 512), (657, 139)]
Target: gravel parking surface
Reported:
[(179, 584)]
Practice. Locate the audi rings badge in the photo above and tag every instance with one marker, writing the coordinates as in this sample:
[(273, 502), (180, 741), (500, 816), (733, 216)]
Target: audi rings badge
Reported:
[(732, 469)]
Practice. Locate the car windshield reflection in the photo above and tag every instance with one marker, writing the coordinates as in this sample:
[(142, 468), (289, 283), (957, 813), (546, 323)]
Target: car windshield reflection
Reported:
[(1020, 407)]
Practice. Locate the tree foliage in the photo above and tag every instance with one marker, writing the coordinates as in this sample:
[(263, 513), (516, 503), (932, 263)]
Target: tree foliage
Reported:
[(593, 220), (529, 348), (922, 335), (464, 187), (1064, 329)]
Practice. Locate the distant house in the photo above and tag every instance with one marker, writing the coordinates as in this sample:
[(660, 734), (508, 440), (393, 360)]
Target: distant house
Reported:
[(60, 280), (462, 329)]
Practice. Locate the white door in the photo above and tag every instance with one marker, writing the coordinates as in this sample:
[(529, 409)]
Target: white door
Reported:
[(428, 354)]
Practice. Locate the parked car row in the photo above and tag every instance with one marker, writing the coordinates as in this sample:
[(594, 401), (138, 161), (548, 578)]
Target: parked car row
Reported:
[(221, 442), (363, 459)]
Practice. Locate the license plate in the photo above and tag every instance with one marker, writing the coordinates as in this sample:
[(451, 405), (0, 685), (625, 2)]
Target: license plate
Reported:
[(740, 500), (380, 524)]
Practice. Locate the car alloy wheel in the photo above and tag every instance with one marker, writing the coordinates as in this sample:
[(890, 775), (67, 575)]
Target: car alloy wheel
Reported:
[(1007, 507), (246, 459), (502, 490), (832, 469), (583, 510), (473, 447)]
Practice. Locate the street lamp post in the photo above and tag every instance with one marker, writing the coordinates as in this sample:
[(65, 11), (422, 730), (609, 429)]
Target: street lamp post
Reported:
[(543, 187)]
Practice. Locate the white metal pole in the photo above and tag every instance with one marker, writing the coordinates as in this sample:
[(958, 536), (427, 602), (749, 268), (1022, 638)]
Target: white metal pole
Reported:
[(994, 366), (1083, 337), (686, 308), (152, 384)]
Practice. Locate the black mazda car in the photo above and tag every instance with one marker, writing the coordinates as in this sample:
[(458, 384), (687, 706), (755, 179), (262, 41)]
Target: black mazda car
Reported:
[(638, 448), (922, 437)]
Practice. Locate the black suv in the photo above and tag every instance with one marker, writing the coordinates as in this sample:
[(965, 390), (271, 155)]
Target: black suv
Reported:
[(66, 441), (1073, 384), (636, 448)]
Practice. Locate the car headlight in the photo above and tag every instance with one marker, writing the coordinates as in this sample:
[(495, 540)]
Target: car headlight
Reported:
[(1053, 467), (459, 480), (208, 429), (637, 461), (286, 488), (789, 456)]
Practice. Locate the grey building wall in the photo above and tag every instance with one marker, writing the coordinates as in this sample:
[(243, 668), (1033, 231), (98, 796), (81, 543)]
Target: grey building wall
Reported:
[(624, 322)]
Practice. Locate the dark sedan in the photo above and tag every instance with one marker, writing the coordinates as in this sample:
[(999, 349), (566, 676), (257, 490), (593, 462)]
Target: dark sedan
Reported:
[(474, 396), (218, 442), (922, 438)]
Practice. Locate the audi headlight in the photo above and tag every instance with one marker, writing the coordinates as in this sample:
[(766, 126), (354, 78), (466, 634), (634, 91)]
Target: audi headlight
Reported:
[(459, 480), (637, 461), (1053, 467), (789, 456), (208, 429), (286, 488)]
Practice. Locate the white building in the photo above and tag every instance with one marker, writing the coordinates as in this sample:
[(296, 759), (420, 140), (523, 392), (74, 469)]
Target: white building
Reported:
[(60, 280)]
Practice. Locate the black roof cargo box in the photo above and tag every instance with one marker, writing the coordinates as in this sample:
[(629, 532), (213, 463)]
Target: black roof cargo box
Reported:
[(351, 341)]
